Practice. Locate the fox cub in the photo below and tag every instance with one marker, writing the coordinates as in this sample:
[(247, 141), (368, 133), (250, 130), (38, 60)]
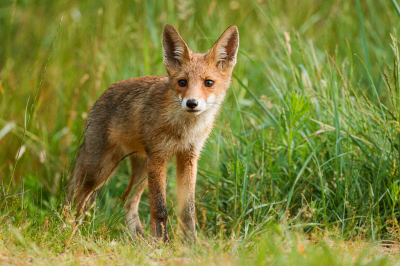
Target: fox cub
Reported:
[(150, 119)]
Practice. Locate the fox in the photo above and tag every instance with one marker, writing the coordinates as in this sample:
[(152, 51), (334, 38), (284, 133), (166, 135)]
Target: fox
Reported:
[(151, 119)]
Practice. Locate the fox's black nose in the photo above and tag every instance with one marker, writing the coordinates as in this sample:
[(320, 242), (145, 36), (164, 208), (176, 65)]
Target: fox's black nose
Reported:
[(191, 103)]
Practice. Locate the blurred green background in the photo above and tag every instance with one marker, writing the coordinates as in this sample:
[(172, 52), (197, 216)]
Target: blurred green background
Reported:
[(308, 133)]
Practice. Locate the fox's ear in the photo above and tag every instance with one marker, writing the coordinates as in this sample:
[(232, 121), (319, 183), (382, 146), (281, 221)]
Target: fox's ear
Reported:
[(174, 48), (224, 51)]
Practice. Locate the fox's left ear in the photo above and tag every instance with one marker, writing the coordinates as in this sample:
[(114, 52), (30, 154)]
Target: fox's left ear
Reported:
[(224, 51)]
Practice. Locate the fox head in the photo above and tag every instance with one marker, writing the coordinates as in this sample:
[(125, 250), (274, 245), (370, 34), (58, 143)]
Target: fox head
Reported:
[(200, 81)]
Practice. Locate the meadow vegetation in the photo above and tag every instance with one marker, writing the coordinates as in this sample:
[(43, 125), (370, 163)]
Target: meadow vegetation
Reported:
[(302, 166)]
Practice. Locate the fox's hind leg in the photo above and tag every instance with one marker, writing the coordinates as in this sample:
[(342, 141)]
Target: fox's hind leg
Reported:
[(92, 169), (138, 182)]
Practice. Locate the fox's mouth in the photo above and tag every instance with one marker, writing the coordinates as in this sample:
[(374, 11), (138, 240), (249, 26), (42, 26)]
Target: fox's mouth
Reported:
[(193, 111)]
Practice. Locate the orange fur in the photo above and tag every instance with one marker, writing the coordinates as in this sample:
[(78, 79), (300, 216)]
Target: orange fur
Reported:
[(151, 119)]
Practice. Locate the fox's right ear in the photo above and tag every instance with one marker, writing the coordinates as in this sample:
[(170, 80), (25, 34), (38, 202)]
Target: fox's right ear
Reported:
[(174, 48)]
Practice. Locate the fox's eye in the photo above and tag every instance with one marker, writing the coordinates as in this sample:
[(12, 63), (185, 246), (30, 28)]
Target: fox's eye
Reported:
[(208, 83), (182, 83)]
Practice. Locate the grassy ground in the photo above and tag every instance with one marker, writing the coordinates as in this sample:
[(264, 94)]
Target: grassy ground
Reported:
[(302, 165)]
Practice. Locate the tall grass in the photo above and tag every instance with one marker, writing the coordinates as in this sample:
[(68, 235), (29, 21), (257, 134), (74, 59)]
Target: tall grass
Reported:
[(308, 135)]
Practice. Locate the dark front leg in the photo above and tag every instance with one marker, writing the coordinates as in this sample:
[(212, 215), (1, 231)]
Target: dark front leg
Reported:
[(156, 172), (186, 180)]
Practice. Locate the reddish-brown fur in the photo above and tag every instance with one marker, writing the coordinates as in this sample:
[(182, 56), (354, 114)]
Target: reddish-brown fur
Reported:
[(145, 118)]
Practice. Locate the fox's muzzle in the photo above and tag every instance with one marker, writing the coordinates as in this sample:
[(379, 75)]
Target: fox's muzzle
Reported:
[(192, 103), (195, 106)]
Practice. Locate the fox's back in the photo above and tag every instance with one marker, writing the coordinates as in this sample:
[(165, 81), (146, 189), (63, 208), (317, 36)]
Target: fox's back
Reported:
[(118, 114)]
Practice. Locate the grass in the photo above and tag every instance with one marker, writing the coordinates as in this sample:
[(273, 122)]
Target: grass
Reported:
[(302, 164)]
